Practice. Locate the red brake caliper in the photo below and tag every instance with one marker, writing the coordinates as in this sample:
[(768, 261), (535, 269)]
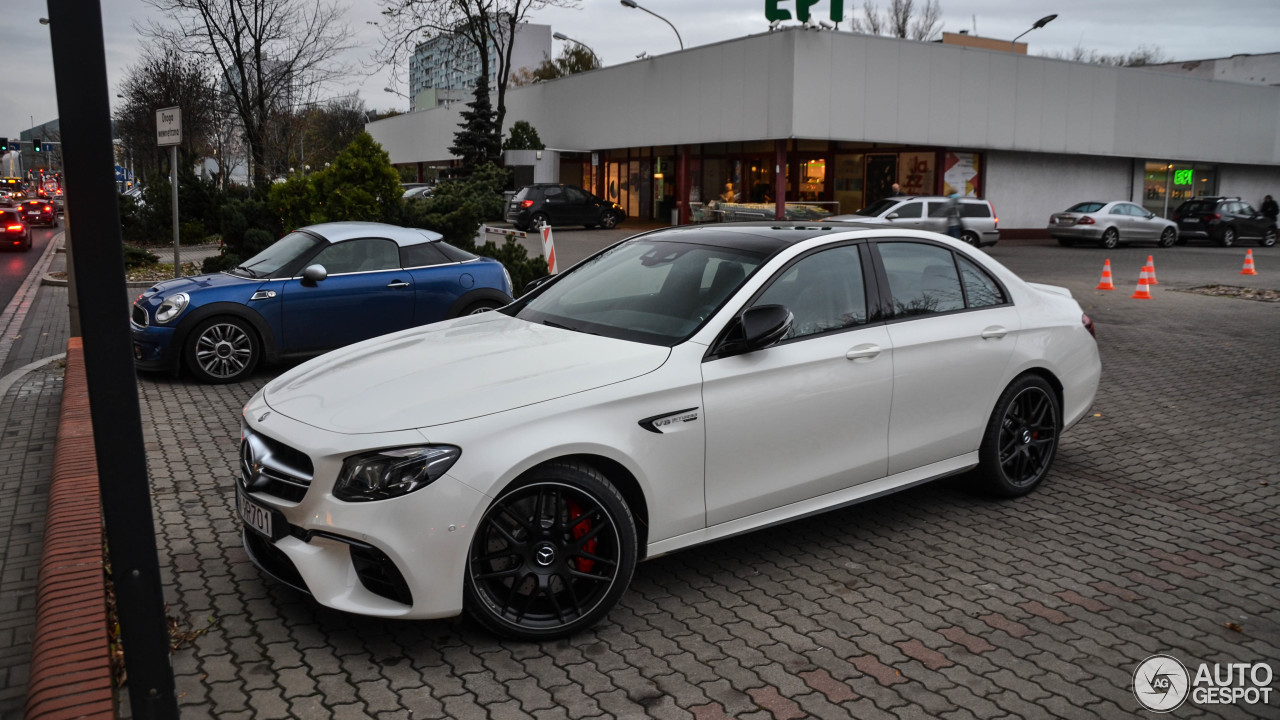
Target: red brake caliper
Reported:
[(580, 531)]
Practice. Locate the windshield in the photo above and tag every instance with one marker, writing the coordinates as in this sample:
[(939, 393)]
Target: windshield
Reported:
[(648, 291), (877, 209), (280, 254), (1085, 207)]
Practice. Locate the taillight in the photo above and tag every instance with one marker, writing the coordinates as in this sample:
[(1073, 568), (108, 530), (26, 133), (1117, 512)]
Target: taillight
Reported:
[(47, 208), (1088, 324), (1215, 216), (13, 228), (526, 203), (1086, 220)]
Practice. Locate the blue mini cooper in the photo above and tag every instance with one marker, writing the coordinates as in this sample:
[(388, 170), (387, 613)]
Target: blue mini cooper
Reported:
[(315, 289)]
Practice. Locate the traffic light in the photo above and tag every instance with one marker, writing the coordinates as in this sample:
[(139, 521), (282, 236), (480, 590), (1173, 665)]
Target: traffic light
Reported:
[(35, 142), (4, 145)]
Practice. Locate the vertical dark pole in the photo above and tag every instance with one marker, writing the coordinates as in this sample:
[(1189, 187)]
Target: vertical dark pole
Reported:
[(80, 71), (780, 179), (682, 184)]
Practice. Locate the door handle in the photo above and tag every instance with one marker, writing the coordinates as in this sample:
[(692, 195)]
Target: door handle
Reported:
[(995, 332), (398, 284), (866, 352)]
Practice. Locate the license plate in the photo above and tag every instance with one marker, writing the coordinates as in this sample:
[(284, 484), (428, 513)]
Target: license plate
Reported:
[(1066, 221), (1191, 220), (253, 514)]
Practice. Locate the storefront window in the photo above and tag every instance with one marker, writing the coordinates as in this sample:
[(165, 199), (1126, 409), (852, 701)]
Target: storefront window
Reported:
[(847, 177), (1179, 182), (813, 178)]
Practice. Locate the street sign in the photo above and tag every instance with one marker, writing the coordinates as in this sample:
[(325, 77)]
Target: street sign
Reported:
[(169, 126)]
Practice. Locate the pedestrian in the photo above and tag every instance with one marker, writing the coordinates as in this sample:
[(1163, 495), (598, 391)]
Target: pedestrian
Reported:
[(955, 226), (1270, 209), (897, 190)]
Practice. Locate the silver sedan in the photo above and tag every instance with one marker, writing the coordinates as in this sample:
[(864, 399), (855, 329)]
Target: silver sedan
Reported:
[(1109, 224)]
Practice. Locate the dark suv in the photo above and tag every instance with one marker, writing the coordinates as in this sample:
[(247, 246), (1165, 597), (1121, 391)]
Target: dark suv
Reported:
[(551, 204), (1223, 220)]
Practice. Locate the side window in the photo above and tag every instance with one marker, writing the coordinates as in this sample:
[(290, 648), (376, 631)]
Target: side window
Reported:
[(364, 255), (975, 209), (1246, 209), (576, 196), (937, 208), (422, 255), (553, 195), (1118, 210), (922, 278), (823, 291), (979, 287), (910, 210)]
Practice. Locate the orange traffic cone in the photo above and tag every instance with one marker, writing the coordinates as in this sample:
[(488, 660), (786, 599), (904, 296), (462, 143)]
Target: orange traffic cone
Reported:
[(1143, 292), (1248, 264), (1106, 283), (1151, 271)]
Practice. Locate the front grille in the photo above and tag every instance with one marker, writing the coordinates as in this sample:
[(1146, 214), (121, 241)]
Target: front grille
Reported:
[(270, 467), (379, 574), (139, 316)]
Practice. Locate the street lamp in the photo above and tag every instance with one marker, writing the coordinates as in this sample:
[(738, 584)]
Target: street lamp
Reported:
[(1039, 24), (566, 38), (393, 91), (632, 4)]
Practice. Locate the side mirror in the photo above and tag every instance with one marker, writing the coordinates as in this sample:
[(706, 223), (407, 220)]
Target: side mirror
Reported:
[(313, 274), (891, 216), (756, 328), (536, 283), (1150, 215)]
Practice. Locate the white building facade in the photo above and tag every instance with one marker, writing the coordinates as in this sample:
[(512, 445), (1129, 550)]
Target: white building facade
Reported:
[(834, 119), (445, 68)]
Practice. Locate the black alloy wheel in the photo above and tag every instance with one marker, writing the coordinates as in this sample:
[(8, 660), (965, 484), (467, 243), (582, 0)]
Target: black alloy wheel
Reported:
[(538, 221), (1110, 238), (1268, 238), (222, 350), (552, 556), (1021, 439), (1228, 237), (1167, 237), (609, 220)]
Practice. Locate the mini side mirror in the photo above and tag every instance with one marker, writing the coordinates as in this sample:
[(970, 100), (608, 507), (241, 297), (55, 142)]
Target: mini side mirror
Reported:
[(756, 328), (313, 274)]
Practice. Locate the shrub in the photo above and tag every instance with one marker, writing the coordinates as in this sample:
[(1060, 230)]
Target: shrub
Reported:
[(218, 263), (255, 241), (522, 268), (458, 207), (136, 257)]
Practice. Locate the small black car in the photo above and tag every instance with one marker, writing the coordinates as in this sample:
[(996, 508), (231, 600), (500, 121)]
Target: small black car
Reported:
[(1223, 220), (552, 204), (39, 212)]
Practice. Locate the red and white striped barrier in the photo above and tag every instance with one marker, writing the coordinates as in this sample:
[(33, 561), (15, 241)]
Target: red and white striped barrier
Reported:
[(548, 243), (549, 250)]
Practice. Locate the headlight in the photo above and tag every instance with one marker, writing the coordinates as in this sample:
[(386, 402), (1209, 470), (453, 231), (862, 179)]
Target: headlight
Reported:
[(172, 307), (393, 472)]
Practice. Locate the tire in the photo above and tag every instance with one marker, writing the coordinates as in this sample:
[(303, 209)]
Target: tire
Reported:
[(1228, 237), (1268, 238), (1110, 238), (552, 555), (1167, 238), (971, 237), (609, 220), (480, 306), (222, 350), (538, 220), (1021, 438), (1066, 242)]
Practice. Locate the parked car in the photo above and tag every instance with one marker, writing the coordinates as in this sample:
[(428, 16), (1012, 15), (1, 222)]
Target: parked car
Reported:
[(981, 224), (39, 212), (550, 204), (679, 387), (313, 290), (417, 191), (6, 198), (1223, 220), (1109, 224), (17, 234)]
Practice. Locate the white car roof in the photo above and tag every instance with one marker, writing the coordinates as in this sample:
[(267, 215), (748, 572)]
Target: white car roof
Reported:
[(338, 231)]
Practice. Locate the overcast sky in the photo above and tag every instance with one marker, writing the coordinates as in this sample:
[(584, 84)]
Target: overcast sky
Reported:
[(1183, 30)]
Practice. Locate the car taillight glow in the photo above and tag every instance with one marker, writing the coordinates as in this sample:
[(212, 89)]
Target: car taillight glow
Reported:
[(1088, 324), (1086, 220), (1215, 216), (526, 203), (47, 208), (13, 228)]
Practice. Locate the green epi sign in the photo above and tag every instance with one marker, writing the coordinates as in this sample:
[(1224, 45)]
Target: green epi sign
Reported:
[(772, 12)]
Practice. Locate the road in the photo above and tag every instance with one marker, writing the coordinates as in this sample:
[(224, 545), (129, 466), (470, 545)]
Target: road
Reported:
[(15, 265)]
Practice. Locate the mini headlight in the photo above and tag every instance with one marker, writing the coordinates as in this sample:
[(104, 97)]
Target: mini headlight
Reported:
[(172, 307), (393, 472)]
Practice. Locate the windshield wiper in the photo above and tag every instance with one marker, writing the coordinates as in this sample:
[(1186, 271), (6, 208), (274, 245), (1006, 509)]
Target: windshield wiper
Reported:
[(548, 323), (252, 273)]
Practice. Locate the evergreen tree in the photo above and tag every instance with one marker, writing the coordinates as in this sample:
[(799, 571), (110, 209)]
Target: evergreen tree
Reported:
[(479, 139), (523, 137)]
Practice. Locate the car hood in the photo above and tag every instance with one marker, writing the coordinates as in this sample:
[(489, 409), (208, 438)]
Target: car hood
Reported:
[(452, 371), (198, 282)]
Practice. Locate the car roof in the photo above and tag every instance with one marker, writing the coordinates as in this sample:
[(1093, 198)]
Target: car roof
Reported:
[(764, 237), (901, 198), (336, 232)]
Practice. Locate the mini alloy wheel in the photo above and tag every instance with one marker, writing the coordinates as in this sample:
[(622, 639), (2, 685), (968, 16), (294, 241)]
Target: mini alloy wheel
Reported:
[(221, 350), (1110, 238), (1021, 439), (551, 557)]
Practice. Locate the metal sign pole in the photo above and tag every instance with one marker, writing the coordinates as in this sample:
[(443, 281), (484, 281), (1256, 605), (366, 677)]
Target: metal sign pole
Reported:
[(173, 180)]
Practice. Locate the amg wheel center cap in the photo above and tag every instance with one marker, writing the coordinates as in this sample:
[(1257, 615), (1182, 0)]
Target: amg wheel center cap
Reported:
[(545, 554), (1026, 437)]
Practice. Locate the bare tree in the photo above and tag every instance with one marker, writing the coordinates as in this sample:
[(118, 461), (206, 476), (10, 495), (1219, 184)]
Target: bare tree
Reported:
[(484, 26), (269, 54), (166, 79), (1144, 55), (900, 19)]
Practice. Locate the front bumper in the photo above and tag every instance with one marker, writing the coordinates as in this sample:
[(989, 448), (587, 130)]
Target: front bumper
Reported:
[(404, 557), (151, 347)]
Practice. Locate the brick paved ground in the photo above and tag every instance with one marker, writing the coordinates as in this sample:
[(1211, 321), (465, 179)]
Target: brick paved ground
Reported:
[(1159, 526)]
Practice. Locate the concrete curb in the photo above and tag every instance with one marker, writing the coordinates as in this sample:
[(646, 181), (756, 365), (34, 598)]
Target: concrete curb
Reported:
[(61, 282), (9, 380)]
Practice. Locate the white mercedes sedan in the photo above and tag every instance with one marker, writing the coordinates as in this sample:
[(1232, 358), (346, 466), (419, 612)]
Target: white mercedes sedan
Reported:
[(679, 387)]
